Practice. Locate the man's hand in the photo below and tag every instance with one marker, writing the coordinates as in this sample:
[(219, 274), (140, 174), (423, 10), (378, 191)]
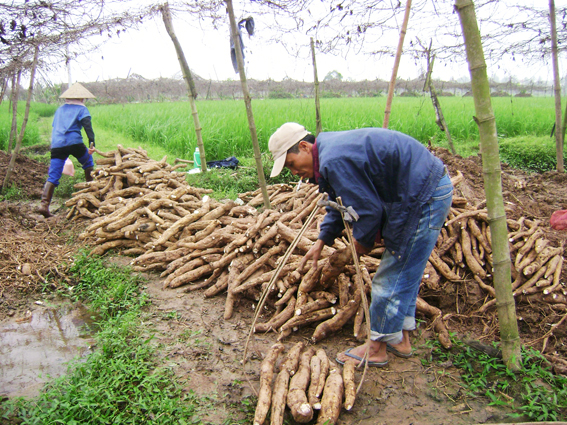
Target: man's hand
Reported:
[(91, 148), (313, 254)]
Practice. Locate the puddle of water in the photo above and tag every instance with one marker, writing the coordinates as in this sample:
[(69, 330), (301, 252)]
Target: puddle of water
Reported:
[(39, 347)]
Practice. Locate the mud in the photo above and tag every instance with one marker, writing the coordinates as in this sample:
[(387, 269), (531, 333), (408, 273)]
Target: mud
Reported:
[(36, 346)]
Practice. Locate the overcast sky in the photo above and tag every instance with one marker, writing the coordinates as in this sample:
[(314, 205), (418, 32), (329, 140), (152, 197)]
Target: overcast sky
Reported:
[(149, 52)]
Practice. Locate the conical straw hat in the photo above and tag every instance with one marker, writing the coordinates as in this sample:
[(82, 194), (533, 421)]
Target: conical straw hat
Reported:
[(77, 91)]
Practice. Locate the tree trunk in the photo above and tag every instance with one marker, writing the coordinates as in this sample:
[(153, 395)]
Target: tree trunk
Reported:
[(24, 123), (68, 64), (493, 185), (436, 105), (188, 77), (556, 88), (396, 66), (248, 103), (5, 85), (316, 83), (14, 100)]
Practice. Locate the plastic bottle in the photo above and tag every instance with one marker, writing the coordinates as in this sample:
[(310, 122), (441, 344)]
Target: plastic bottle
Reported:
[(197, 158)]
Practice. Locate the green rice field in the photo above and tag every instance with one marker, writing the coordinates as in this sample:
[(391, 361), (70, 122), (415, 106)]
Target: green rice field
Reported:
[(169, 128), (226, 133)]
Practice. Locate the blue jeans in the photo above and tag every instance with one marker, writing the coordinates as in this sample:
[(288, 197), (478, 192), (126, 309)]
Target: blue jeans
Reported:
[(396, 283), (60, 155)]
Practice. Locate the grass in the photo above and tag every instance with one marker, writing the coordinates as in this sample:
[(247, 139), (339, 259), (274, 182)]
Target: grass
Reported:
[(535, 154), (228, 183), (32, 133), (121, 382), (533, 392)]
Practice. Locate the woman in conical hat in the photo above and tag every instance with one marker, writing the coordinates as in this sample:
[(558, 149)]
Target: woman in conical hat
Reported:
[(66, 140)]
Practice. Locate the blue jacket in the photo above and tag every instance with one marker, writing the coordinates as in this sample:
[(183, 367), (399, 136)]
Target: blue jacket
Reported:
[(386, 176), (67, 124)]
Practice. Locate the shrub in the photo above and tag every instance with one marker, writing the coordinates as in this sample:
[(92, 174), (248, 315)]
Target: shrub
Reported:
[(327, 94), (409, 93), (500, 93), (279, 94)]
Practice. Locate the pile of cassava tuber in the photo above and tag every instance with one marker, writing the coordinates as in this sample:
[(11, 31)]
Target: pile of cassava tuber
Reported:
[(307, 383), (146, 209)]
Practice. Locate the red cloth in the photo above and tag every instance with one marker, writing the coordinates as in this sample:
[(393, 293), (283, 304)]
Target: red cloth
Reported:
[(558, 220)]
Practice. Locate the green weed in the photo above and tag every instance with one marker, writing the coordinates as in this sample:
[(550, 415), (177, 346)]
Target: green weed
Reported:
[(172, 315), (12, 193), (530, 153), (247, 408), (533, 392), (121, 382), (109, 289)]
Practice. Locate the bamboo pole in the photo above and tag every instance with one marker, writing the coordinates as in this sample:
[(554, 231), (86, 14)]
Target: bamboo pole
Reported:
[(492, 174), (392, 84), (24, 122), (556, 88), (188, 77), (316, 83), (248, 103)]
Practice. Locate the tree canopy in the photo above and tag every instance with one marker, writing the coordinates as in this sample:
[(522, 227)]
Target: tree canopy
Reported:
[(517, 30)]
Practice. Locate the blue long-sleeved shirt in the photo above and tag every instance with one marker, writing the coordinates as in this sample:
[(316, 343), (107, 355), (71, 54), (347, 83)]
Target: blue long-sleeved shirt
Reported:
[(68, 121), (386, 176)]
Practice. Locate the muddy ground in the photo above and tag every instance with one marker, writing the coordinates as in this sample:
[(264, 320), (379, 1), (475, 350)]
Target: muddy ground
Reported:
[(207, 350)]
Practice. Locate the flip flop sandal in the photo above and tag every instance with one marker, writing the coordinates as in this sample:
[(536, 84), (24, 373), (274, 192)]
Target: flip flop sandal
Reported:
[(395, 352), (370, 363)]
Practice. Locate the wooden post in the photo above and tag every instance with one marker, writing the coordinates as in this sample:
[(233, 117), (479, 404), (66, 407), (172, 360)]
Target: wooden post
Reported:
[(248, 103), (24, 122), (556, 88), (436, 105), (188, 77), (396, 66), (316, 83), (14, 102), (492, 173)]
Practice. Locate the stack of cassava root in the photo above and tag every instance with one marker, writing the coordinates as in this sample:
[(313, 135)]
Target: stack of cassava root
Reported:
[(307, 382), (146, 209), (464, 251)]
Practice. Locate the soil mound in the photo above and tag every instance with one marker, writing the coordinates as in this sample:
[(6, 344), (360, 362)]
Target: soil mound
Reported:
[(28, 174)]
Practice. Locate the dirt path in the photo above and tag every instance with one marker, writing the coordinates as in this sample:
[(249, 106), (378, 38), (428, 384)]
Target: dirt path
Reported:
[(207, 351)]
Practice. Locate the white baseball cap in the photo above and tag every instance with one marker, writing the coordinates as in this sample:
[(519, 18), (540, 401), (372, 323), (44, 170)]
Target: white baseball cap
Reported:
[(284, 138)]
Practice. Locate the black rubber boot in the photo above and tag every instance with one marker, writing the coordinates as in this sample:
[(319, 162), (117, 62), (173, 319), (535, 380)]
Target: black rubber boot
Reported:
[(46, 196), (88, 175)]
